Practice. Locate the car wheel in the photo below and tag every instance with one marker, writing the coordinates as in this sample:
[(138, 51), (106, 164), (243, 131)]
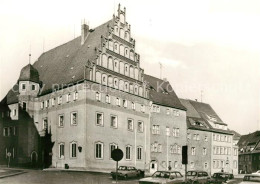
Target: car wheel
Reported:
[(126, 177)]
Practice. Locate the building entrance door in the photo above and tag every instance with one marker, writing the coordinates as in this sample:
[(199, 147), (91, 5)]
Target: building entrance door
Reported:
[(153, 166)]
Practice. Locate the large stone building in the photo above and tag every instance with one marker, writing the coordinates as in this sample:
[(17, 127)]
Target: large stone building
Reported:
[(89, 96), (249, 152), (209, 140)]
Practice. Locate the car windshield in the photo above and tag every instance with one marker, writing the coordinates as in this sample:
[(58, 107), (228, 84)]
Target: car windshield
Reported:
[(122, 168), (161, 174), (191, 173), (252, 178)]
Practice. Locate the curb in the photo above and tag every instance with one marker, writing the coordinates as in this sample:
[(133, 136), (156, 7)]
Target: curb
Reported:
[(13, 174)]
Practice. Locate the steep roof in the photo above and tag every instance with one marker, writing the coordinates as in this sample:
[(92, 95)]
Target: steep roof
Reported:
[(207, 110), (249, 139), (191, 111), (162, 93), (63, 64), (29, 73)]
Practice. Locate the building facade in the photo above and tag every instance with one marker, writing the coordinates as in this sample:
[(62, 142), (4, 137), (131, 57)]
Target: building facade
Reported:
[(209, 135), (249, 152)]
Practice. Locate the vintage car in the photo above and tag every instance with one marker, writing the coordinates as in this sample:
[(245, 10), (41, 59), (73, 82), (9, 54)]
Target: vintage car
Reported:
[(251, 179), (221, 177), (164, 177), (197, 176), (125, 172)]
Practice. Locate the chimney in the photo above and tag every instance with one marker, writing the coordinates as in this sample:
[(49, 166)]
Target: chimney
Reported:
[(84, 32)]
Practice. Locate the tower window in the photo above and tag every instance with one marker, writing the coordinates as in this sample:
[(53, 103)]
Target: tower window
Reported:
[(23, 87), (33, 87)]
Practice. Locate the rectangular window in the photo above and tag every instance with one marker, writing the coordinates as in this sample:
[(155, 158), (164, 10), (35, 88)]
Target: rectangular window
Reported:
[(61, 120), (5, 133), (76, 95), (125, 103), (61, 151), (53, 101), (68, 97), (112, 147), (177, 132), (10, 131), (14, 112), (60, 100), (158, 109), (99, 119), (204, 151), (107, 99), (47, 103), (117, 101), (99, 150), (206, 138), (128, 153), (15, 130), (192, 165), (130, 124), (156, 129), (98, 96), (205, 165), (142, 108), (113, 122), (139, 153), (45, 124), (23, 87), (133, 105), (42, 105), (73, 118), (73, 150), (140, 127), (193, 151), (167, 111), (33, 87)]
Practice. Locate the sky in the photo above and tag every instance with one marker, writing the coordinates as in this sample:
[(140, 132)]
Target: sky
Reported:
[(209, 49)]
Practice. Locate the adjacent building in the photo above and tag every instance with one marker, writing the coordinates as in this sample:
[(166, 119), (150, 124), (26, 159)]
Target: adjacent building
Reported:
[(249, 152), (210, 142)]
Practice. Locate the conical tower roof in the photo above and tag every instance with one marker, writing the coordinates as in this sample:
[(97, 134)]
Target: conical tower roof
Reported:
[(29, 73)]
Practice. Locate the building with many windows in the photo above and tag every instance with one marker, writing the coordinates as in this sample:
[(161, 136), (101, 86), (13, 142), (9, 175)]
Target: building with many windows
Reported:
[(218, 152), (249, 152), (89, 96)]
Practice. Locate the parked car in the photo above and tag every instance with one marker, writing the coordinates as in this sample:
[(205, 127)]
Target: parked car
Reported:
[(125, 172), (257, 172), (221, 177), (164, 177), (251, 179), (196, 177)]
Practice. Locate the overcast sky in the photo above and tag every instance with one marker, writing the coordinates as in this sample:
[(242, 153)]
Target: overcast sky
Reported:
[(210, 46)]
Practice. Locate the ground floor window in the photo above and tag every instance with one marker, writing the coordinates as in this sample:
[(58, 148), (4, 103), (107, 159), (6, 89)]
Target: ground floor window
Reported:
[(99, 150), (128, 153), (61, 150), (73, 150), (139, 153), (113, 146)]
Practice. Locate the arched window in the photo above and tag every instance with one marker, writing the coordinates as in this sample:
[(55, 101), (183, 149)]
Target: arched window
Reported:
[(128, 152), (131, 55), (131, 88), (116, 30), (140, 91), (126, 86), (127, 36), (136, 90), (122, 33), (116, 83), (122, 18), (126, 52), (121, 85), (122, 50), (104, 79), (136, 73), (98, 77), (110, 81), (122, 68), (126, 70), (116, 65), (116, 47), (110, 63), (73, 149), (99, 150), (110, 45), (104, 60), (131, 71)]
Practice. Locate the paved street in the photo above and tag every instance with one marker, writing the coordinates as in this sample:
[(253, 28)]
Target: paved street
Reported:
[(62, 177), (56, 177)]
